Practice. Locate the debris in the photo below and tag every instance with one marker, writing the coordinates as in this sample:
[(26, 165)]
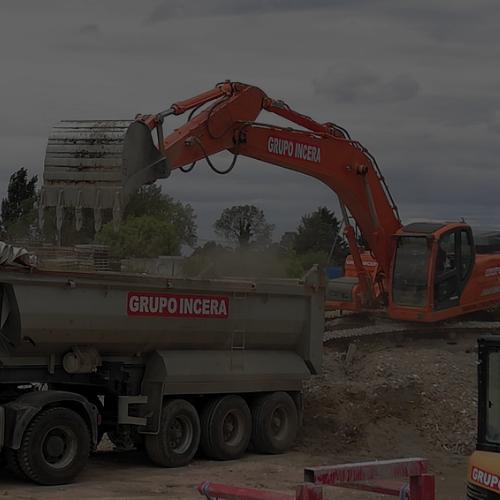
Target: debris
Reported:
[(419, 399)]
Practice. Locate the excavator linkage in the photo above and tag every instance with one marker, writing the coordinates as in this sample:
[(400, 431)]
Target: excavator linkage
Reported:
[(97, 165)]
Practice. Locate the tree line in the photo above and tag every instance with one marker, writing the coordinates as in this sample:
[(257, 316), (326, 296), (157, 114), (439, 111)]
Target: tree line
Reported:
[(155, 224)]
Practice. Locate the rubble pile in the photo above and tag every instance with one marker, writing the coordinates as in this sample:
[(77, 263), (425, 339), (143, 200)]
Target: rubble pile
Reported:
[(418, 396)]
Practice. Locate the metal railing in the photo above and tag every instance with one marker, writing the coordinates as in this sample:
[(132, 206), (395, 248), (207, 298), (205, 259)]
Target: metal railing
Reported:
[(406, 479)]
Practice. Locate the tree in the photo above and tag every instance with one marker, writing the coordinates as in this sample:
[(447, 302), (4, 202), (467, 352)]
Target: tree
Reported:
[(317, 232), (149, 200), (244, 224), (144, 236), (153, 224), (18, 213), (287, 241)]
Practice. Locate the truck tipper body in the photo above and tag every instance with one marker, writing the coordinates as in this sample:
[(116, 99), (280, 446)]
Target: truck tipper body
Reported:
[(172, 365)]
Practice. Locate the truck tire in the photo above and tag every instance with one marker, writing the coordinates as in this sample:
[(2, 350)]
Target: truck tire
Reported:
[(179, 437), (12, 463), (275, 423), (55, 447), (226, 428)]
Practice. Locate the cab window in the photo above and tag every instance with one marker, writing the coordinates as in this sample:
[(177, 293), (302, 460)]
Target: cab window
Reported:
[(446, 257), (410, 272), (454, 261), (466, 254)]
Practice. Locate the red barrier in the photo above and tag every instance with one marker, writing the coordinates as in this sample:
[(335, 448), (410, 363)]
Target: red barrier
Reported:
[(406, 478), (227, 492), (387, 477)]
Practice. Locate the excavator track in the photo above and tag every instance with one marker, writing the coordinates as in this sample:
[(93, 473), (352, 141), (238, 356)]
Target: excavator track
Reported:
[(350, 328)]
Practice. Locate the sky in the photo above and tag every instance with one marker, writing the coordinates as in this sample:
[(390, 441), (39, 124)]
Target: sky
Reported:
[(416, 82)]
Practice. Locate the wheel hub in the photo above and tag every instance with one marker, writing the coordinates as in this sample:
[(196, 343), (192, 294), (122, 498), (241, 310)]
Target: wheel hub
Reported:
[(180, 434), (232, 428), (278, 421), (59, 447), (55, 446), (229, 427)]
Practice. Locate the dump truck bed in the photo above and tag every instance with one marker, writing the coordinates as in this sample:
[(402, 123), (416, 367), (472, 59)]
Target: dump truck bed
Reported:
[(226, 326)]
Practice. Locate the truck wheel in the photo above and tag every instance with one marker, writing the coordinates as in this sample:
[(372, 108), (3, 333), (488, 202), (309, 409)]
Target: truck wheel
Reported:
[(179, 437), (55, 447), (12, 463), (275, 423), (226, 425)]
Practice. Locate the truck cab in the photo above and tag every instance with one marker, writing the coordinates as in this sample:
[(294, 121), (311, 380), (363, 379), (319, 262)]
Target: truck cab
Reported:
[(483, 474)]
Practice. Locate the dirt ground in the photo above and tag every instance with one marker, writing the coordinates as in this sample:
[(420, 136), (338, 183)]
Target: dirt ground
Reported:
[(393, 398)]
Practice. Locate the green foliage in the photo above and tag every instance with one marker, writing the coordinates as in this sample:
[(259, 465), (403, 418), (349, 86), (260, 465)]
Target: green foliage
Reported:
[(18, 213), (154, 224), (207, 260), (317, 232), (144, 236), (297, 265), (292, 257), (287, 241), (245, 225), (20, 196), (214, 260), (149, 200)]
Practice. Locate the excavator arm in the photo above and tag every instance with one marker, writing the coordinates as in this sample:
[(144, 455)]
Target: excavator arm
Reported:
[(323, 151), (228, 122)]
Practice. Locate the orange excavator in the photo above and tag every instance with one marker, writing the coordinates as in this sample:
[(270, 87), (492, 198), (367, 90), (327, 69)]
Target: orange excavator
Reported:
[(422, 272)]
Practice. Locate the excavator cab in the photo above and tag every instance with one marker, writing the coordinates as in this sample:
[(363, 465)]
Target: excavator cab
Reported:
[(432, 265)]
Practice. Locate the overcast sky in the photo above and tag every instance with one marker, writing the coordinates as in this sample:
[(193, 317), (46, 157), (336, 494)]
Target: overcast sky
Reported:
[(417, 82)]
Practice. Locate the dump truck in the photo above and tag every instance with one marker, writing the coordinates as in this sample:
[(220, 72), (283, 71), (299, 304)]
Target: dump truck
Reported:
[(169, 364)]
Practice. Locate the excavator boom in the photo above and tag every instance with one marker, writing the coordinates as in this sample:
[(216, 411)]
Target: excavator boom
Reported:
[(100, 164)]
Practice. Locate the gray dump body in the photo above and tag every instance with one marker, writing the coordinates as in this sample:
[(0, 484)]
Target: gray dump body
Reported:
[(205, 330), (171, 364)]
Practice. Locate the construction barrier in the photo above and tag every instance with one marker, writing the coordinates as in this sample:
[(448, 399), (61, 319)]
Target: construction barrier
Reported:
[(406, 479)]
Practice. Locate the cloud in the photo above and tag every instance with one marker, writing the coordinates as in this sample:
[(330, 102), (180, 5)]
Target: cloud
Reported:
[(458, 110), (90, 29), (171, 9), (362, 85), (461, 22)]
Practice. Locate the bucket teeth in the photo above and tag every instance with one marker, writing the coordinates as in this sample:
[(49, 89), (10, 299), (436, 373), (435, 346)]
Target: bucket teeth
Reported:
[(98, 165)]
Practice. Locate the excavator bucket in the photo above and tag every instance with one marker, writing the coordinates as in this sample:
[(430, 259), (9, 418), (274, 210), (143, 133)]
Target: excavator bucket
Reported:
[(97, 165)]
